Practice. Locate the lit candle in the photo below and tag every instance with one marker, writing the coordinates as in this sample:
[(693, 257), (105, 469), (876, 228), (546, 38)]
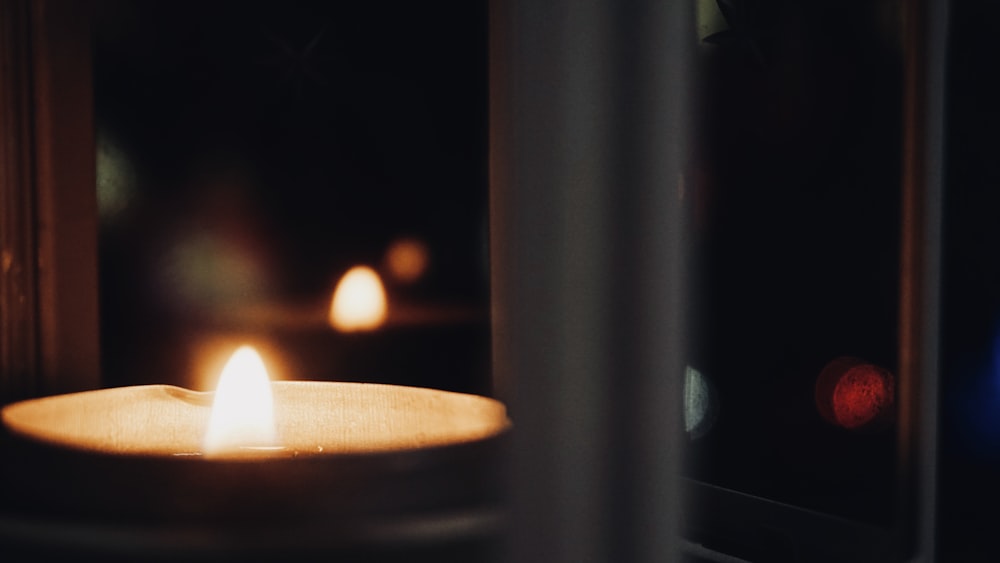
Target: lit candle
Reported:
[(334, 451), (309, 417)]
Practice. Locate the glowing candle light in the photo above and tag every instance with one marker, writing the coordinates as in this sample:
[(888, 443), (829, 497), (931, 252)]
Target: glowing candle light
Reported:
[(243, 409), (359, 301), (167, 454), (306, 418)]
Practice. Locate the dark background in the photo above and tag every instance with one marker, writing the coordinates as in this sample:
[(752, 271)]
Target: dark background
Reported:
[(970, 373), (796, 177), (251, 152)]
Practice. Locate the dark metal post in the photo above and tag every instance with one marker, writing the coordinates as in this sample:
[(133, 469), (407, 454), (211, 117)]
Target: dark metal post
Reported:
[(48, 280), (587, 140), (925, 42), (19, 352)]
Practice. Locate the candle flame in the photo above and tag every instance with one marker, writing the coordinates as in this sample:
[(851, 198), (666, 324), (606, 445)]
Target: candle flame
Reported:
[(243, 409), (359, 301)]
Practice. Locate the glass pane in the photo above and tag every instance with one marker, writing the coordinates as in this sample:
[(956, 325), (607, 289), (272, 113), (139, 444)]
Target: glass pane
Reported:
[(795, 222)]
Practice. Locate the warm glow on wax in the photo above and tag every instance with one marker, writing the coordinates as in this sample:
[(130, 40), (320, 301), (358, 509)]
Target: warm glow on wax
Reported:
[(359, 301), (243, 409)]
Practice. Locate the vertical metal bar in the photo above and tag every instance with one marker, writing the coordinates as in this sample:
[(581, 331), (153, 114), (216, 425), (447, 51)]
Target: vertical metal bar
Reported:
[(48, 280), (19, 354), (501, 202), (587, 139), (664, 36), (551, 264), (66, 195), (925, 42)]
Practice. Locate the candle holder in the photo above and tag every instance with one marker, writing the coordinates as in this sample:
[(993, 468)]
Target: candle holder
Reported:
[(380, 470)]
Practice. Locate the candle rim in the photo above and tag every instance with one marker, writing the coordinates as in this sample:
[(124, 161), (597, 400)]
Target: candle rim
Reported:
[(17, 422)]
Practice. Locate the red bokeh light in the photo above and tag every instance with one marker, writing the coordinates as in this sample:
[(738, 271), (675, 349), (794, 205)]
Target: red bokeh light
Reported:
[(854, 394)]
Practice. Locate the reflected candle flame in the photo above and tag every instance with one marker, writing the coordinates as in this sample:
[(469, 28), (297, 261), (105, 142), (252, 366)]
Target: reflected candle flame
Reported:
[(243, 409), (407, 260), (359, 302)]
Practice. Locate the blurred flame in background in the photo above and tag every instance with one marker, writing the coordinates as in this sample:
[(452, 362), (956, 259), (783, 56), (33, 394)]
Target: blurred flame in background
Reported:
[(359, 301), (407, 260)]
